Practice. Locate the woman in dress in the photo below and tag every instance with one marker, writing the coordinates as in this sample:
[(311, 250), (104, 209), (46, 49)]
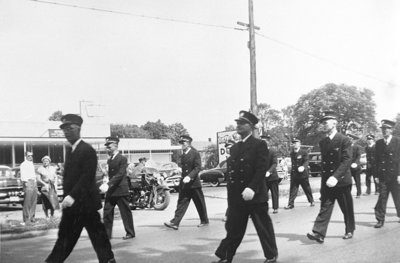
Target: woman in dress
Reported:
[(47, 178)]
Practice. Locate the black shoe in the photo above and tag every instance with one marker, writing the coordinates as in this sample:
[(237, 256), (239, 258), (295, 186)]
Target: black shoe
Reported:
[(289, 207), (222, 261), (358, 196), (348, 235), (202, 224), (271, 260), (379, 224), (316, 237), (112, 261), (312, 204), (275, 211), (128, 237), (171, 225)]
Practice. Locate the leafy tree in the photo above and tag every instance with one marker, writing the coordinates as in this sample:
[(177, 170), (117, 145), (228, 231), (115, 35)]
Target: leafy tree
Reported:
[(211, 156), (269, 117), (396, 130), (56, 116), (351, 103), (157, 130), (128, 131), (174, 131)]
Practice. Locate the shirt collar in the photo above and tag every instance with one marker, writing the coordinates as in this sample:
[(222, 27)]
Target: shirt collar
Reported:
[(245, 139), (188, 150), (76, 144), (332, 135), (388, 139)]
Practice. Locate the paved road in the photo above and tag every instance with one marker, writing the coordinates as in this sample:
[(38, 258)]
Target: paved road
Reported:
[(155, 243)]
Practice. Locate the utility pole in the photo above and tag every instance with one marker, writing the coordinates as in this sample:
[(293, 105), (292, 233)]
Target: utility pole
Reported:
[(252, 47)]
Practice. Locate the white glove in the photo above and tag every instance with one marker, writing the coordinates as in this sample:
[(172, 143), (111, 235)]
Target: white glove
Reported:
[(377, 180), (353, 165), (267, 174), (300, 169), (67, 202), (248, 194), (331, 182), (398, 179), (186, 179), (103, 187)]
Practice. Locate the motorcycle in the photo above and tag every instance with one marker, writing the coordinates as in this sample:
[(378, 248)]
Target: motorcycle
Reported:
[(149, 191)]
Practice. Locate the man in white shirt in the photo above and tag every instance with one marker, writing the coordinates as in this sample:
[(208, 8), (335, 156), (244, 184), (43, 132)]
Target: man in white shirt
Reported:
[(28, 178)]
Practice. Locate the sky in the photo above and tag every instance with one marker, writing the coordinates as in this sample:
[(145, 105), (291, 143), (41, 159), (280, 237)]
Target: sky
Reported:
[(182, 61)]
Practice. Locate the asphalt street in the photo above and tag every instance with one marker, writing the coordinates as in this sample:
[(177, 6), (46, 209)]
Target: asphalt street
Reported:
[(155, 243)]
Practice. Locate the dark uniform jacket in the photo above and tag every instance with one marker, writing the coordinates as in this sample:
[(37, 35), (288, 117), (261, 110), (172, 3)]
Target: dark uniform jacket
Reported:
[(388, 159), (191, 166), (272, 162), (370, 152), (247, 166), (336, 160), (356, 149), (80, 178), (118, 180), (299, 159)]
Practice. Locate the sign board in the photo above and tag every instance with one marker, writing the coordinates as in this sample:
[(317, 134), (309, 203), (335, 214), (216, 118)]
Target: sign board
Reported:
[(222, 138), (56, 133)]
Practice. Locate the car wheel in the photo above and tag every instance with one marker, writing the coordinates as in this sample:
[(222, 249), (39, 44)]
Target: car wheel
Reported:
[(214, 183)]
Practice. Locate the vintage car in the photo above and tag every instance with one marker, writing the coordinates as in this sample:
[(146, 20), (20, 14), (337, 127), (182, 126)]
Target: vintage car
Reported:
[(11, 189), (314, 164), (214, 176)]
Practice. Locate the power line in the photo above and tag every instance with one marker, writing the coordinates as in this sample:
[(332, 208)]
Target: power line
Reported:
[(135, 15), (390, 84)]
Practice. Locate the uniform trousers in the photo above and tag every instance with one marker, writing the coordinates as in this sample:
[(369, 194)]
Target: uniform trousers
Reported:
[(185, 195), (273, 186), (386, 188), (236, 224), (355, 173), (369, 173), (108, 214), (71, 226), (294, 188), (30, 201), (345, 201)]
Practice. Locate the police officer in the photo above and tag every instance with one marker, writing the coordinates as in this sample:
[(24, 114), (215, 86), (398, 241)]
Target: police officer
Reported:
[(117, 190), (299, 174), (371, 164), (247, 193), (336, 179), (271, 176), (189, 186), (388, 171), (355, 163)]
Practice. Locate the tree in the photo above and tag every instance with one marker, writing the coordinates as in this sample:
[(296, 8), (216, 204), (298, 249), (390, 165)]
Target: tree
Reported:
[(174, 131), (269, 117), (211, 156), (396, 129), (230, 128), (56, 116), (351, 103), (128, 131), (157, 130)]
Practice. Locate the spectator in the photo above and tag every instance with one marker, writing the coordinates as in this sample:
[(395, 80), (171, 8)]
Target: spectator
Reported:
[(28, 178), (47, 178)]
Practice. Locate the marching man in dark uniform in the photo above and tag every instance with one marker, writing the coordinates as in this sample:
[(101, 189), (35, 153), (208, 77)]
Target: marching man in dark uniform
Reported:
[(336, 179), (190, 185), (271, 176), (388, 170), (299, 174), (371, 164), (81, 198), (355, 166), (117, 190), (247, 193)]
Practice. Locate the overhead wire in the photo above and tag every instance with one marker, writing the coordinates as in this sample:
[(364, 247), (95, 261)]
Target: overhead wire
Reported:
[(390, 84)]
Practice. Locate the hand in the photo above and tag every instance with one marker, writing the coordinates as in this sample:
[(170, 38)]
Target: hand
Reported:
[(67, 202), (353, 165), (398, 179), (45, 187), (248, 194), (186, 179), (103, 187), (300, 169), (331, 182), (267, 174), (377, 180)]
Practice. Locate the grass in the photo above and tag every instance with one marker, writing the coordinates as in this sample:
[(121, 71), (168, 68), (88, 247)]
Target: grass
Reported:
[(15, 226)]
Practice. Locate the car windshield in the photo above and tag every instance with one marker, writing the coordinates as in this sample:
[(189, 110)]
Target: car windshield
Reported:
[(5, 172)]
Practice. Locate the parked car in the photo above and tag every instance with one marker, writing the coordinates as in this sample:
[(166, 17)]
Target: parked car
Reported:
[(314, 164), (214, 176), (11, 189)]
